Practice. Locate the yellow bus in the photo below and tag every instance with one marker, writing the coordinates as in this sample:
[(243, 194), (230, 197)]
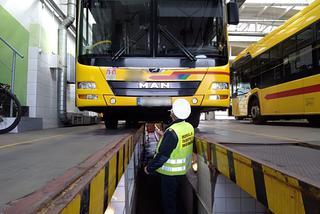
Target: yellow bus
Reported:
[(279, 76), (135, 57)]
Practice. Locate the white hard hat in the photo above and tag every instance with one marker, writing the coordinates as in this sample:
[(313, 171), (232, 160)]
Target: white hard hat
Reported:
[(181, 109)]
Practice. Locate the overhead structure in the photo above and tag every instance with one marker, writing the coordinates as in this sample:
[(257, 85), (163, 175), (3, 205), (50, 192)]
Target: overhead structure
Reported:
[(260, 17)]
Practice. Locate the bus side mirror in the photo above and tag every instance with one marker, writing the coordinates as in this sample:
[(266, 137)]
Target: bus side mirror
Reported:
[(233, 13)]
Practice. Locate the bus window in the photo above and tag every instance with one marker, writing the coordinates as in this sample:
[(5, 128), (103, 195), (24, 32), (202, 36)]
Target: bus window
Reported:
[(318, 31), (264, 59), (275, 56), (255, 66), (290, 65), (276, 63), (304, 38), (197, 25), (317, 51), (289, 46), (243, 88), (267, 79), (304, 60), (243, 85), (255, 82), (107, 26)]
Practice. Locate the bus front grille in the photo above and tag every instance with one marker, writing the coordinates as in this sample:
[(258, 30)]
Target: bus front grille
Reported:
[(155, 89)]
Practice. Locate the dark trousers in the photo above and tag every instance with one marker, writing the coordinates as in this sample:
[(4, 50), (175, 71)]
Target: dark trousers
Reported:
[(170, 186)]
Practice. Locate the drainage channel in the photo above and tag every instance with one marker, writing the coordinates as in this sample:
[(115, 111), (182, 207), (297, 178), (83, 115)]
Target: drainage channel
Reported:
[(149, 186), (204, 190)]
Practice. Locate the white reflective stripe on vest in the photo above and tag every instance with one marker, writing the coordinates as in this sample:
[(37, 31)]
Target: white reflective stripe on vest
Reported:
[(176, 161), (173, 169)]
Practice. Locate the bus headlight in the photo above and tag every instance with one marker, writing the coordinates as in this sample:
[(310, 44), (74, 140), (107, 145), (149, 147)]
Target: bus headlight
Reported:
[(218, 97), (87, 85), (219, 86), (88, 96)]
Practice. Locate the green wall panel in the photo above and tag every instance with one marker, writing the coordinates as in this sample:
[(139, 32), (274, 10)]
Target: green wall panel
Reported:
[(17, 36)]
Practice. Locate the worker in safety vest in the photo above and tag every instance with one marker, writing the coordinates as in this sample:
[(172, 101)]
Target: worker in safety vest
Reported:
[(174, 154)]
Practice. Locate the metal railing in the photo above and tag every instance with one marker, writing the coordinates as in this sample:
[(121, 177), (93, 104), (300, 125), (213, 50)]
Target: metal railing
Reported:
[(14, 59), (13, 69)]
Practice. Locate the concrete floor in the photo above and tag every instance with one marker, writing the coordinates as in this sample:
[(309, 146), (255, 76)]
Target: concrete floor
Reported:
[(29, 160), (273, 132), (290, 147)]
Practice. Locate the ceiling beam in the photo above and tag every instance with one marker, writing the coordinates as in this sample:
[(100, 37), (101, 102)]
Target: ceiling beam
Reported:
[(247, 33), (263, 10), (279, 4), (285, 12)]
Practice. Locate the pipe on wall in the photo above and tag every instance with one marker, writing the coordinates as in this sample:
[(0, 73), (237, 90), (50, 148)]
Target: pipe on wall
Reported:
[(62, 61)]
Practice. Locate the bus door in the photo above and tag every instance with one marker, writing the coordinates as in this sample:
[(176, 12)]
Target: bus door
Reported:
[(240, 100)]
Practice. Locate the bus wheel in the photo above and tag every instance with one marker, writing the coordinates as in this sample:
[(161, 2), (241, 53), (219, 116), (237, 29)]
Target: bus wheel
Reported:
[(239, 118), (194, 119), (111, 123), (314, 121), (255, 113)]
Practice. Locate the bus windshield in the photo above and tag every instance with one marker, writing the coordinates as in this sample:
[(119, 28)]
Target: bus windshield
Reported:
[(149, 28)]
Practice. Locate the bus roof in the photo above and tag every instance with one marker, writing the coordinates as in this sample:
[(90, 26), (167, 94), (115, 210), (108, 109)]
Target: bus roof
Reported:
[(302, 19)]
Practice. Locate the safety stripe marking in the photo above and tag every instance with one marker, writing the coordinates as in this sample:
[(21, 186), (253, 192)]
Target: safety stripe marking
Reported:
[(120, 164), (203, 152), (244, 174), (85, 200), (275, 190), (259, 183), (127, 153), (310, 202), (130, 148), (97, 193), (112, 176), (117, 168), (222, 161), (90, 200), (123, 157), (213, 154), (106, 184), (232, 172), (73, 206)]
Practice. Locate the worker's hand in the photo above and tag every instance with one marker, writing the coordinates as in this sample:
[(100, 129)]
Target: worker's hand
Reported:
[(159, 131), (146, 171)]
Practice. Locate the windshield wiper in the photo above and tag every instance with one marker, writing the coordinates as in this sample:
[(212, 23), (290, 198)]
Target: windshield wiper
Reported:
[(171, 37), (135, 38)]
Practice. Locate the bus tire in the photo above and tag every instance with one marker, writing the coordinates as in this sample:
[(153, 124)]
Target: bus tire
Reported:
[(239, 118), (111, 123), (314, 121), (256, 113), (194, 119)]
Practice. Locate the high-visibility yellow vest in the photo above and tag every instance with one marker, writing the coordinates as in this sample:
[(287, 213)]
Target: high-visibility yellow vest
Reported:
[(181, 157)]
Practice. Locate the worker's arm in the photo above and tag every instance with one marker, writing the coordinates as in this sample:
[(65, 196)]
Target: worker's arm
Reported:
[(169, 143), (158, 131)]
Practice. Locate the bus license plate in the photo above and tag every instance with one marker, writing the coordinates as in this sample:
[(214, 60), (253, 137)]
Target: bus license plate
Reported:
[(154, 101)]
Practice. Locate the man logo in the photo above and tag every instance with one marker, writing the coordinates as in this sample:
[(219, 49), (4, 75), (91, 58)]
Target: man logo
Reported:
[(154, 85), (154, 70)]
